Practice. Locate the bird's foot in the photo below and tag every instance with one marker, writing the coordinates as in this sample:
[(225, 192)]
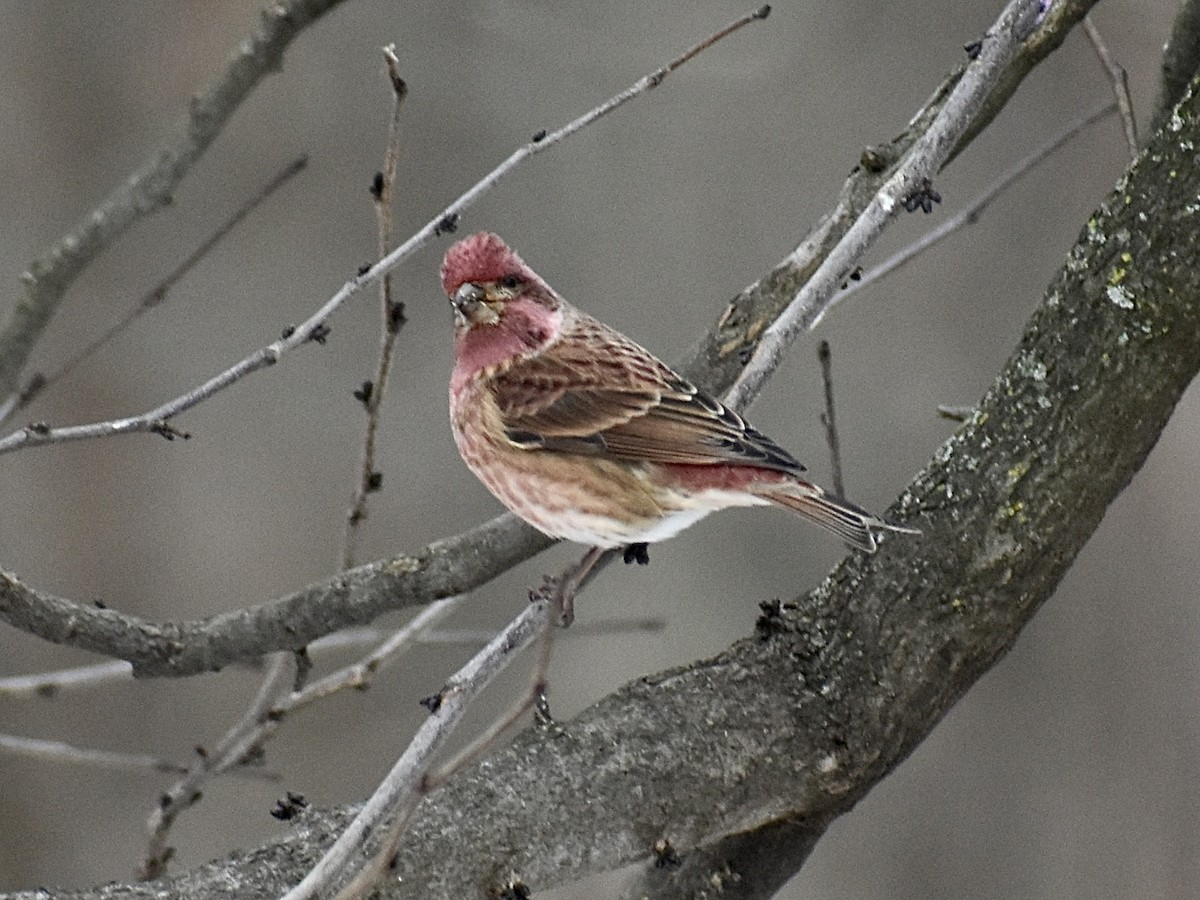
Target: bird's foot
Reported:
[(637, 553)]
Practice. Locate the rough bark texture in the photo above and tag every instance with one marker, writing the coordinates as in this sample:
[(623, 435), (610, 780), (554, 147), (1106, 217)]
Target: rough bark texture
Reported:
[(789, 728)]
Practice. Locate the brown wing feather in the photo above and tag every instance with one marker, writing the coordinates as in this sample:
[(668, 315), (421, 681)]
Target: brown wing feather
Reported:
[(597, 392)]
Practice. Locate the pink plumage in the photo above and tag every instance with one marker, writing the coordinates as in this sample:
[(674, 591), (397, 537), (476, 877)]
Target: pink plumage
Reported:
[(587, 435)]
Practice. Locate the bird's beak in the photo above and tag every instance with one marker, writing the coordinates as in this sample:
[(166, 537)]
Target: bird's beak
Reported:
[(469, 302)]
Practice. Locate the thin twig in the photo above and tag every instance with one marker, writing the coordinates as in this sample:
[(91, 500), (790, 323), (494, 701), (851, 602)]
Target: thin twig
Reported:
[(829, 419), (232, 749), (47, 685), (156, 295), (391, 318), (924, 158), (1120, 84), (155, 420), (266, 715), (51, 684), (970, 213), (360, 673), (381, 860), (398, 792), (58, 751)]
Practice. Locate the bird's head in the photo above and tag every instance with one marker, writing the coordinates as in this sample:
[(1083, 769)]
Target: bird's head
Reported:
[(501, 307), (485, 279)]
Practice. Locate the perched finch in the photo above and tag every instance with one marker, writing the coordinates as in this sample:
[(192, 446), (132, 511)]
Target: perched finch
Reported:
[(588, 436)]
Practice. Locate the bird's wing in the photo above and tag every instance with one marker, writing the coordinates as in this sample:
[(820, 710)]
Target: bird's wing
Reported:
[(596, 392)]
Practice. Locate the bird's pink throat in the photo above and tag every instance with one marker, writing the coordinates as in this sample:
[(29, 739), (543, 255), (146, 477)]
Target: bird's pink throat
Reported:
[(525, 327)]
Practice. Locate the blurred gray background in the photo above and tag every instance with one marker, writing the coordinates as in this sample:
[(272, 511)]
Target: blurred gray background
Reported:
[(1069, 771)]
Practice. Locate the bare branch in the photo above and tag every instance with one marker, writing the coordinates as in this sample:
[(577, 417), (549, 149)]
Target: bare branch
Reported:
[(355, 597), (51, 684), (59, 751), (829, 419), (970, 213), (151, 187), (401, 788), (391, 318), (922, 162), (236, 748), (153, 297), (1120, 84)]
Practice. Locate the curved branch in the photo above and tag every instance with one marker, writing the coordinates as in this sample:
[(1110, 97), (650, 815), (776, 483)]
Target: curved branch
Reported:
[(354, 597)]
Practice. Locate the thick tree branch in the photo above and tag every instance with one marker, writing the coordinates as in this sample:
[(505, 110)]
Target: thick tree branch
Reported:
[(796, 724), (354, 597)]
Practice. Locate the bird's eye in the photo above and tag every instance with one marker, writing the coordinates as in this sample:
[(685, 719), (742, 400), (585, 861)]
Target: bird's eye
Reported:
[(509, 282)]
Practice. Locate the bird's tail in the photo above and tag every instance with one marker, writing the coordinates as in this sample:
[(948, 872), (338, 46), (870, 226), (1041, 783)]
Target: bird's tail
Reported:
[(842, 517)]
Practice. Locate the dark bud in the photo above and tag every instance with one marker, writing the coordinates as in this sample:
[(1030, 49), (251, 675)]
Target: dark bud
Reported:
[(320, 333), (99, 604), (513, 889), (374, 482), (973, 49), (201, 751), (168, 431), (289, 806), (762, 12), (922, 198), (396, 317), (364, 269), (637, 553), (770, 620), (288, 331), (433, 702), (363, 394), (38, 428), (874, 159), (539, 135), (856, 275), (376, 188), (665, 855), (447, 225)]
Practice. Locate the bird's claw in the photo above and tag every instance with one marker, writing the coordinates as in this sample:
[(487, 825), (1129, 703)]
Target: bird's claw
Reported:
[(637, 553)]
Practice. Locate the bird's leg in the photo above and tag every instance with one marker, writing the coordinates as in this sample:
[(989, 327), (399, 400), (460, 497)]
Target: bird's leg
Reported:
[(637, 553), (561, 589)]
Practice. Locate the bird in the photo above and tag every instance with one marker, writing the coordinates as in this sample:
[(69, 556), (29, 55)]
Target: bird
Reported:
[(588, 436)]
